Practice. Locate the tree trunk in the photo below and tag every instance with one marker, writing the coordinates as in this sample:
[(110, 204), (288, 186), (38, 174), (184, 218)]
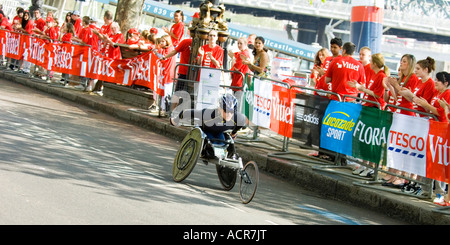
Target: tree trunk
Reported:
[(128, 14)]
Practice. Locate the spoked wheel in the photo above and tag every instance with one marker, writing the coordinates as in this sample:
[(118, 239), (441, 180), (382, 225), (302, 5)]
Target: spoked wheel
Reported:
[(187, 155), (249, 182), (227, 177)]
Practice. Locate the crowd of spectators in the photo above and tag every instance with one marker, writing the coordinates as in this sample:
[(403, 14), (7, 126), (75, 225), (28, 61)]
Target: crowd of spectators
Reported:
[(367, 78)]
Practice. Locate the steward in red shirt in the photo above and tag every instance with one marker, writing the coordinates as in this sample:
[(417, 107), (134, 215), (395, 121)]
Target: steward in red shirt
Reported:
[(344, 69), (87, 36)]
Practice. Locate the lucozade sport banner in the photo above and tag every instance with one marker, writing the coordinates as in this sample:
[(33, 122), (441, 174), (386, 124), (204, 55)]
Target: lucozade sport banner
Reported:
[(270, 106)]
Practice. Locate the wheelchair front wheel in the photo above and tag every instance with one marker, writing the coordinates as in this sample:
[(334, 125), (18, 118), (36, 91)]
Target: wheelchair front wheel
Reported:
[(249, 181), (227, 177)]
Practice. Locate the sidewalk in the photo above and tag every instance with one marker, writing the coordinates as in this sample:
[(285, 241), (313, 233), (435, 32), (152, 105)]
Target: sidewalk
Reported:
[(294, 166)]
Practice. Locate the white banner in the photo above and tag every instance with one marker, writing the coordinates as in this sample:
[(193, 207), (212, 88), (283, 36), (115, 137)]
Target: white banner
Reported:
[(208, 89), (262, 103), (406, 149)]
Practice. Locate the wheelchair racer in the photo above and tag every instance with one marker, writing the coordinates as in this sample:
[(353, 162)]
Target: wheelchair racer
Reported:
[(215, 121)]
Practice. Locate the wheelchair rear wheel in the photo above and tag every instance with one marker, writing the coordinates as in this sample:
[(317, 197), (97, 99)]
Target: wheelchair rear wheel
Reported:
[(187, 156)]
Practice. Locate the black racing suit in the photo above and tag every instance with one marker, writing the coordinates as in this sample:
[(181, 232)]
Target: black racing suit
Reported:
[(212, 123)]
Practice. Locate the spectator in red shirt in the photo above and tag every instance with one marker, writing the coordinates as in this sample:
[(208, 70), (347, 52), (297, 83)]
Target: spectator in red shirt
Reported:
[(319, 62), (27, 26), (425, 86), (39, 21), (147, 40), (51, 32), (77, 22), (176, 32), (87, 36), (236, 78), (365, 55), (344, 69), (374, 89), (17, 20), (211, 54), (335, 49), (4, 23), (133, 36), (66, 20), (68, 35), (116, 37), (407, 80)]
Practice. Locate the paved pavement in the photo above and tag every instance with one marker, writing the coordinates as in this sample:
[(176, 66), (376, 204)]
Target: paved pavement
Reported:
[(294, 165)]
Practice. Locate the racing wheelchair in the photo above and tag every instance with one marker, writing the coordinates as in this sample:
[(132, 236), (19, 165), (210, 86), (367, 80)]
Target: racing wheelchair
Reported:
[(196, 145)]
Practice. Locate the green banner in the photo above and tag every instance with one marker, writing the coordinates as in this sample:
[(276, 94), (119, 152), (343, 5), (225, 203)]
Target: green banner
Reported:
[(371, 134)]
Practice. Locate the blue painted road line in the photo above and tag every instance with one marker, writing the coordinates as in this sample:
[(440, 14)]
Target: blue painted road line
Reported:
[(330, 215)]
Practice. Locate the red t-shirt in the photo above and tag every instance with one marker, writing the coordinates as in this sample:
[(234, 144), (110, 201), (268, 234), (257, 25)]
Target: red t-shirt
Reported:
[(217, 53), (105, 30), (111, 51), (236, 78), (88, 37), (411, 84), (67, 37), (434, 102), (320, 82), (341, 70), (368, 72), (168, 65), (184, 48), (178, 30), (5, 24), (29, 27), (375, 84), (40, 24), (131, 41), (52, 32), (78, 27), (425, 90)]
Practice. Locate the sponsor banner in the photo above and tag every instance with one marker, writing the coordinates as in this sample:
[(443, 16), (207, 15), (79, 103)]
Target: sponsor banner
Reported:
[(309, 112), (78, 60), (208, 89), (338, 125), (13, 45), (438, 147), (406, 148), (262, 103), (283, 111), (371, 133), (270, 106)]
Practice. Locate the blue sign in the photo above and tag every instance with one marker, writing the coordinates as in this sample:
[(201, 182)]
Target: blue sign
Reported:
[(337, 126)]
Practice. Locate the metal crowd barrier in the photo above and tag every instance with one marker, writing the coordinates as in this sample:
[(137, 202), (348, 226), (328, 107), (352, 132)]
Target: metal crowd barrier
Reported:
[(296, 156), (427, 186), (255, 138)]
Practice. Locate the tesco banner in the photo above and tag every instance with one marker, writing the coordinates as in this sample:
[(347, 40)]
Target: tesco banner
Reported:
[(271, 106), (79, 60)]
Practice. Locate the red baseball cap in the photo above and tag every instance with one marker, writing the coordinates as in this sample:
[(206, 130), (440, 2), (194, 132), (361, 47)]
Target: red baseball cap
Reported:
[(196, 15), (133, 30), (154, 30)]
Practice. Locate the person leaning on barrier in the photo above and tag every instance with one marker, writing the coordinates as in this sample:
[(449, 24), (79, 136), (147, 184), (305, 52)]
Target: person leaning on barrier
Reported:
[(215, 121)]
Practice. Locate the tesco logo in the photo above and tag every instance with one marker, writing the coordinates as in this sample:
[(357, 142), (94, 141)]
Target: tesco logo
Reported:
[(407, 141)]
